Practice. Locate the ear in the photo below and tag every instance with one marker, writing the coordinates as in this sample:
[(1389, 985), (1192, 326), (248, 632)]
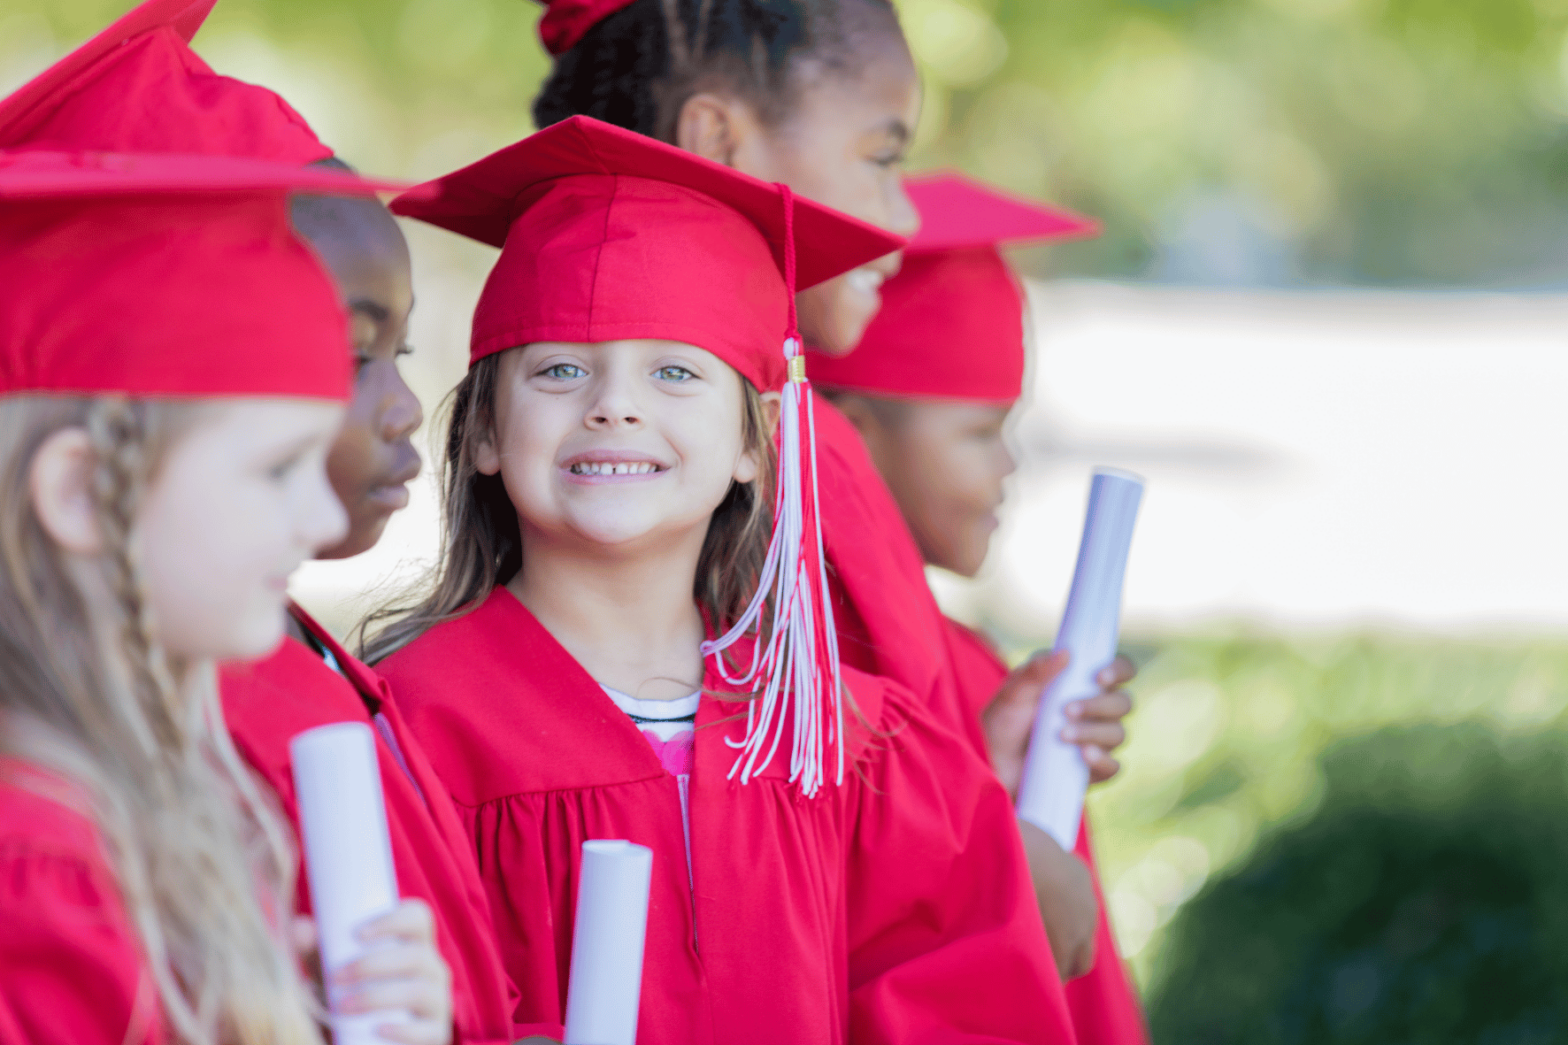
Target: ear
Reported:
[(714, 126), (748, 467), (60, 484), (487, 456)]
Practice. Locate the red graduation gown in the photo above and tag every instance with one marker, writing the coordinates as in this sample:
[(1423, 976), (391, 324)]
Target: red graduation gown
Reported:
[(866, 914), (1104, 1005), (268, 702), (71, 964)]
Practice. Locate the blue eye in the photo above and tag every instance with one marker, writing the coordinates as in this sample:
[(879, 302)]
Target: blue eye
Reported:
[(564, 371), (673, 373)]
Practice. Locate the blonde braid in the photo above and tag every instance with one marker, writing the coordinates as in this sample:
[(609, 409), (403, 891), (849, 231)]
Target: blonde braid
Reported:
[(119, 439)]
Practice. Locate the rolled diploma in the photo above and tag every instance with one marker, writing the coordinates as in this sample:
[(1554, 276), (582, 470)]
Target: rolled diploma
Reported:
[(1055, 777), (607, 943), (348, 853)]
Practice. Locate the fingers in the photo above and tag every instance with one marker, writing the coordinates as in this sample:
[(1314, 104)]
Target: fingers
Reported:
[(404, 971), (1101, 766), (1104, 707), (410, 921), (1027, 682), (1117, 674), (417, 1032)]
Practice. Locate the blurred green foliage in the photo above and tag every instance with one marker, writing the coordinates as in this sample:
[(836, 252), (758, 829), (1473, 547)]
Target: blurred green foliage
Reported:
[(1362, 141), (1227, 736), (1423, 902)]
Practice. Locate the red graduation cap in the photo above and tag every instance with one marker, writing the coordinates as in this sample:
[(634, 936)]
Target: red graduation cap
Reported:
[(607, 235), (565, 22), (951, 323), (163, 275), (138, 87)]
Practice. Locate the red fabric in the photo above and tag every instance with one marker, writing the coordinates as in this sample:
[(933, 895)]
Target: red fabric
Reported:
[(162, 276), (1105, 1006), (952, 320), (607, 234), (565, 22), (71, 965), (874, 912), (267, 703), (951, 327), (959, 213), (138, 87)]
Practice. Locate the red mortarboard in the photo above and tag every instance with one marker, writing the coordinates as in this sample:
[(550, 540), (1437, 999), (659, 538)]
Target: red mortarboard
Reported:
[(951, 323), (608, 235), (566, 21), (138, 87), (164, 275)]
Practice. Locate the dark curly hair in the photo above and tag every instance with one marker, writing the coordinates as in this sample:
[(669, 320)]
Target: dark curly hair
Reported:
[(637, 67)]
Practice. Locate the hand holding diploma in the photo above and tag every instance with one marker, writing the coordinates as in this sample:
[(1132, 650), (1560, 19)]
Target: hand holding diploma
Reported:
[(1055, 775), (385, 978), (607, 943)]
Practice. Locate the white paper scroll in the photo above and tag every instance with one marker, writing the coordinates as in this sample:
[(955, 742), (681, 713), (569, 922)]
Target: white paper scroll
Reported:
[(348, 853), (1055, 774), (607, 943)]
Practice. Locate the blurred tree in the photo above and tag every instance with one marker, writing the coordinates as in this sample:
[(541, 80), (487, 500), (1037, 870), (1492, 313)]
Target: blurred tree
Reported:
[(1245, 141), (1423, 902)]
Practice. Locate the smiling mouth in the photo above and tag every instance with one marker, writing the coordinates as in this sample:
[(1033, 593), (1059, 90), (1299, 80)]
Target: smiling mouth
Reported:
[(614, 468)]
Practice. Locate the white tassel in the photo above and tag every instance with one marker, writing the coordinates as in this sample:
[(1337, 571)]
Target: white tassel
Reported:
[(795, 666)]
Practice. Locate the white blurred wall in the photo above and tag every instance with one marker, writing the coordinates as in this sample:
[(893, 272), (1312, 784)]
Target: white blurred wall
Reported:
[(1318, 460)]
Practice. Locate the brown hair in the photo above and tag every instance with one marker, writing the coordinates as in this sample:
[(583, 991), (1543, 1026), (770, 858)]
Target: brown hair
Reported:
[(203, 863), (481, 546)]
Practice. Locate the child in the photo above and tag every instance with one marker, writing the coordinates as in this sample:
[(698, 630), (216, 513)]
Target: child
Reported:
[(930, 388), (138, 85), (823, 96), (171, 378), (609, 534)]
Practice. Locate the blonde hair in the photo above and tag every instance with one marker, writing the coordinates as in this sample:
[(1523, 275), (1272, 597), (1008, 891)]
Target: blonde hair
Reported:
[(202, 860), (481, 546)]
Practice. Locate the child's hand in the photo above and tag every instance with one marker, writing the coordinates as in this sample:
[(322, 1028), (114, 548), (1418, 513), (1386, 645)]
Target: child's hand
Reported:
[(405, 971), (1065, 892), (1009, 717), (1095, 724)]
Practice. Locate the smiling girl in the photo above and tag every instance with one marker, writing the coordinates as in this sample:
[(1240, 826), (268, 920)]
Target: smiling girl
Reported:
[(822, 95), (622, 545), (165, 426)]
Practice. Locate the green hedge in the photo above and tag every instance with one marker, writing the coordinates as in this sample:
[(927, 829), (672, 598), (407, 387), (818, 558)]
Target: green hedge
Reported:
[(1425, 900)]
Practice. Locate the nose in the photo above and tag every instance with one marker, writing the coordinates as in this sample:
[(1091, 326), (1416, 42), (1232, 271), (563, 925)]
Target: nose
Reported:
[(614, 403), (1008, 460), (401, 413)]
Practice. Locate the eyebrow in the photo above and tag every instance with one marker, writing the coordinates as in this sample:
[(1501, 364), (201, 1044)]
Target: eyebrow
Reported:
[(370, 310)]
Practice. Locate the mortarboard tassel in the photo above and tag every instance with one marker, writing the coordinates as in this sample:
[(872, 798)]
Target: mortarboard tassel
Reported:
[(796, 665)]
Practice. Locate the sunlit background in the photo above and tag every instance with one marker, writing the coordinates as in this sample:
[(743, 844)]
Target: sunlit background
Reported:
[(1326, 322)]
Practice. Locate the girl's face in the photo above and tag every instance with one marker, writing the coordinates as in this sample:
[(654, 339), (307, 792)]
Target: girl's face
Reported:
[(373, 459), (624, 445), (238, 502), (945, 463), (843, 146)]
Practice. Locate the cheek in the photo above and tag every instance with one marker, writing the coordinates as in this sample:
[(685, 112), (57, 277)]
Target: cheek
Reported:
[(214, 556), (352, 464)]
